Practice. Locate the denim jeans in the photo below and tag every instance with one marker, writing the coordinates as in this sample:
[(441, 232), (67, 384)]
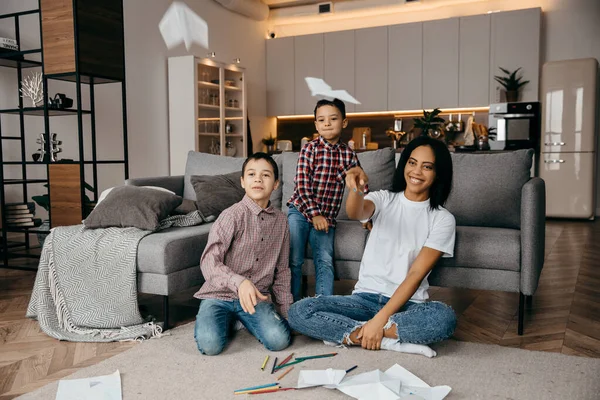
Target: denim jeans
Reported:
[(334, 318), (215, 320), (321, 243)]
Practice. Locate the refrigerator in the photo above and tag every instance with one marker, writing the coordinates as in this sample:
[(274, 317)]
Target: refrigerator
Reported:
[(568, 138)]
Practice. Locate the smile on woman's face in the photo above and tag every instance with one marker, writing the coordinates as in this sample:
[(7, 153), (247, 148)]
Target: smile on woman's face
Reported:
[(419, 173)]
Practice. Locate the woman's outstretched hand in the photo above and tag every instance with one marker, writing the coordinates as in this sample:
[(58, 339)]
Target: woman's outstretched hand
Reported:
[(356, 179), (370, 334)]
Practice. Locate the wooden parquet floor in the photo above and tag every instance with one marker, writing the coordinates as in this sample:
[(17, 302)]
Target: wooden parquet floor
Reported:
[(563, 317)]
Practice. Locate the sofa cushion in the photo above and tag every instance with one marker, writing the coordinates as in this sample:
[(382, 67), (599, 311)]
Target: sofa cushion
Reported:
[(379, 166), (349, 242), (215, 193), (486, 248), (486, 188), (172, 249), (208, 164), (133, 206)]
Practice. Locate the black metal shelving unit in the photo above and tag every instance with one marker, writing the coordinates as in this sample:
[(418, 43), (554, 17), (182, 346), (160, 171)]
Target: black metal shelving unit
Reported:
[(19, 248)]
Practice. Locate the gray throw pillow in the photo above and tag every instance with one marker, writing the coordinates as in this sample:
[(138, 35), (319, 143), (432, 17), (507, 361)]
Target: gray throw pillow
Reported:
[(215, 193), (186, 207), (133, 206)]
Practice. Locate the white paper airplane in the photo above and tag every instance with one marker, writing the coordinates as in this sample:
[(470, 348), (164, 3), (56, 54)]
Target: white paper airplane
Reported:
[(181, 24), (318, 87)]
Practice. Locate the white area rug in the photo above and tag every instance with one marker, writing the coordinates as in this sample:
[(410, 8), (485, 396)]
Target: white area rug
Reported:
[(172, 368)]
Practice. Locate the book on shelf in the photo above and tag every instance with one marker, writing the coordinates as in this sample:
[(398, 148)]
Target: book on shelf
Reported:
[(30, 205), (12, 221), (22, 224), (18, 214), (8, 41)]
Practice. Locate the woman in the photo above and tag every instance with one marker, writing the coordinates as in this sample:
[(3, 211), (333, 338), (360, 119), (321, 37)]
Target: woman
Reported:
[(411, 231)]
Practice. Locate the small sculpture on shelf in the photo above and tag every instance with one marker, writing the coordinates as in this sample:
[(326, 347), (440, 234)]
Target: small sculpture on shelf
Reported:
[(54, 149), (60, 102), (32, 88)]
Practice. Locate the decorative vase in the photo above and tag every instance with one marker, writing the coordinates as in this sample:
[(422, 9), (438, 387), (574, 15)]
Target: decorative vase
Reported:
[(230, 149), (512, 96), (269, 148)]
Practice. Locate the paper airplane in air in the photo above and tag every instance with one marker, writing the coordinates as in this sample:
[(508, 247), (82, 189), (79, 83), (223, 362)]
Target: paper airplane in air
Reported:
[(318, 87), (181, 24)]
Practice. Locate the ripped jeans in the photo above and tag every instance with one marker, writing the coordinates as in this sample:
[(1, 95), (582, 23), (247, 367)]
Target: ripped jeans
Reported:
[(215, 320), (334, 318)]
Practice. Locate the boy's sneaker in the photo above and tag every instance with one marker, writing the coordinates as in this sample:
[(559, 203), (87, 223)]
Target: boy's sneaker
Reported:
[(238, 326)]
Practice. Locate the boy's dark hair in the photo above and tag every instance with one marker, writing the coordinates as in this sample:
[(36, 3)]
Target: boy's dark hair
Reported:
[(442, 185), (262, 156), (337, 103)]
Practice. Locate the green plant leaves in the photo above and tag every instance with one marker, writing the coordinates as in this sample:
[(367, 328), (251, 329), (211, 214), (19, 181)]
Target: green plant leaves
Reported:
[(511, 81)]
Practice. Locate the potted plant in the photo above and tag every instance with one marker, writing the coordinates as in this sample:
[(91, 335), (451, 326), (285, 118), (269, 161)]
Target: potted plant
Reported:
[(269, 142), (511, 83), (430, 123)]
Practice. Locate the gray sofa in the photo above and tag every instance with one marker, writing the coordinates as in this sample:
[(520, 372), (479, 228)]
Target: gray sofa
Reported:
[(499, 210)]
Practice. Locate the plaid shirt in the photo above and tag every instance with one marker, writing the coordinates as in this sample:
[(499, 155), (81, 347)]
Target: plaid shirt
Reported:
[(248, 242), (320, 178)]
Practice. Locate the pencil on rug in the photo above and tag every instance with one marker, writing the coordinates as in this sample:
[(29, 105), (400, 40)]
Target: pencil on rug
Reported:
[(285, 373), (264, 363)]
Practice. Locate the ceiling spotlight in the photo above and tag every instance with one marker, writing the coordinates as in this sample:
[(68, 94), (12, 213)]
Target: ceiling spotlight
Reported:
[(237, 60), (212, 54)]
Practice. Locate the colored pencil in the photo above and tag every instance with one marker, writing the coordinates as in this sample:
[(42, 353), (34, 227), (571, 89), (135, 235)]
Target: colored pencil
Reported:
[(267, 389), (272, 390), (288, 364), (274, 365), (285, 373), (351, 369), (264, 363), (288, 358), (257, 387), (319, 356)]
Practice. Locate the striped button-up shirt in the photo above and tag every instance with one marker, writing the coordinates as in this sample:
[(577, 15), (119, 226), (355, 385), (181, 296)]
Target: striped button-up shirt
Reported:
[(248, 242), (320, 178)]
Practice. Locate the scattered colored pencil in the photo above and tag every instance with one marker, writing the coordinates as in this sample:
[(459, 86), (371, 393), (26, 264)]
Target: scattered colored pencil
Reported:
[(351, 369), (264, 363), (274, 365), (288, 364), (319, 356), (256, 387), (272, 390), (285, 373), (267, 389), (288, 358)]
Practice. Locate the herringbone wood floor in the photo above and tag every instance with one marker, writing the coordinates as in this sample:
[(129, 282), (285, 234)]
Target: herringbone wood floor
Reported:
[(564, 315)]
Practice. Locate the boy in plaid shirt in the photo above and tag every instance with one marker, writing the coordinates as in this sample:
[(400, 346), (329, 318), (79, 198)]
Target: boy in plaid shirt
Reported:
[(317, 197)]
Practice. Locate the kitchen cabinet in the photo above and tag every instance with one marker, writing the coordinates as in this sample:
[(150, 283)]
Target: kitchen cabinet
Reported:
[(339, 62), (440, 63), (405, 66), (280, 76), (474, 61), (308, 61), (515, 42), (371, 68)]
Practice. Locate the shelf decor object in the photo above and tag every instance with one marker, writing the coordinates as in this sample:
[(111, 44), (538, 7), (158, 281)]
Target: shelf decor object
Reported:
[(32, 88)]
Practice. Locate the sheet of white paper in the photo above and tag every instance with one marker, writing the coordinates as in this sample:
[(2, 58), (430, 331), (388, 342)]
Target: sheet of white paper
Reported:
[(308, 378), (412, 384), (181, 24), (318, 87), (371, 385), (106, 387)]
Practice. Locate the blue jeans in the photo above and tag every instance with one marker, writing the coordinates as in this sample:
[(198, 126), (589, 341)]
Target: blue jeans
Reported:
[(321, 243), (215, 320), (334, 318)]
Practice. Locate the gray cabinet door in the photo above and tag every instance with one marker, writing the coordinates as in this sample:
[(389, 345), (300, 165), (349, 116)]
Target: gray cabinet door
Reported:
[(516, 43), (280, 76), (308, 61), (405, 66), (339, 63), (440, 63), (474, 61), (371, 67)]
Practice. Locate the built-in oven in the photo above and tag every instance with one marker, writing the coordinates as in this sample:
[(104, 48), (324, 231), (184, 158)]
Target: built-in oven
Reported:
[(516, 126)]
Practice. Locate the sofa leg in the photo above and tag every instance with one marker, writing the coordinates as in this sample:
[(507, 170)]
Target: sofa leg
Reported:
[(304, 289), (521, 312), (166, 312)]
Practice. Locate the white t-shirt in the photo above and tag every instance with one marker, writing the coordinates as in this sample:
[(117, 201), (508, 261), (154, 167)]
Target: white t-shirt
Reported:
[(401, 228)]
